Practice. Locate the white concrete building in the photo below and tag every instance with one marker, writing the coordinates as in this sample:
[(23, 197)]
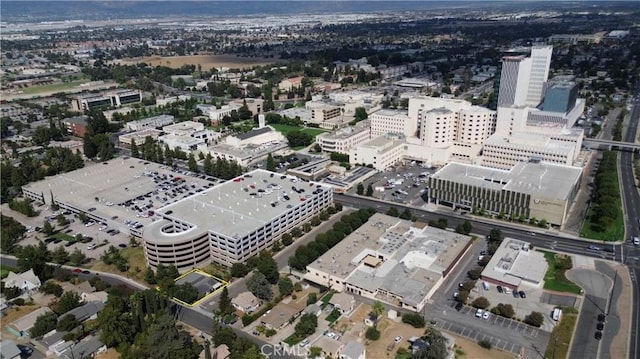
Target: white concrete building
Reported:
[(389, 259), (345, 139), (188, 136), (533, 190), (505, 152), (217, 114), (381, 152), (138, 137), (514, 264), (391, 121), (151, 122), (522, 79), (324, 114)]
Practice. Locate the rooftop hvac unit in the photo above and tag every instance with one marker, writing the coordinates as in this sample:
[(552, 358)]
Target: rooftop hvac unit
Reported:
[(505, 266)]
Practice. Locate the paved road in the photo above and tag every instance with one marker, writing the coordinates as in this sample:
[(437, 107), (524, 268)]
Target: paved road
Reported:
[(597, 287)]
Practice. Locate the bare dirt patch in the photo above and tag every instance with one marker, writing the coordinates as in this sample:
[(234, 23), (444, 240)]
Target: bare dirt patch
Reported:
[(207, 62), (472, 350)]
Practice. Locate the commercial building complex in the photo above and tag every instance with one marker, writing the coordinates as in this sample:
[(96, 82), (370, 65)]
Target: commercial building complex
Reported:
[(345, 139), (151, 122), (187, 135), (113, 98), (514, 264), (390, 259), (533, 190), (381, 152), (232, 221)]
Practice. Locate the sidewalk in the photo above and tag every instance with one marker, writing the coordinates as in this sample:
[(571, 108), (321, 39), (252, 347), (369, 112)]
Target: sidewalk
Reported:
[(624, 309)]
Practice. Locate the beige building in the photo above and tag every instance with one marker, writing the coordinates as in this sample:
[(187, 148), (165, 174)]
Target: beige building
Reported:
[(392, 260), (246, 302), (533, 190), (290, 84), (345, 139), (381, 152), (514, 264)]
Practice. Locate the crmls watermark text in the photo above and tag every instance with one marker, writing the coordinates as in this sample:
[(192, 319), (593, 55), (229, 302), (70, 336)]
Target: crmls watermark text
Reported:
[(277, 351)]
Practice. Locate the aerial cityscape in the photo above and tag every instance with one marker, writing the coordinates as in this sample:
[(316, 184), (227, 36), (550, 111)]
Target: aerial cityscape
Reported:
[(320, 179)]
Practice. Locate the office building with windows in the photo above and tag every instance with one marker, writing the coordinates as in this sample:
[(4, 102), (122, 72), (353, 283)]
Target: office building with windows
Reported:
[(529, 189)]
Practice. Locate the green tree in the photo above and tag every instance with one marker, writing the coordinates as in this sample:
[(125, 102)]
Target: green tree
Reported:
[(192, 164), (406, 214), (35, 257), (268, 266), (437, 346), (372, 334), (68, 301), (150, 276), (259, 286), (67, 323), (271, 164), (239, 270), (224, 303), (495, 235), (369, 191), (393, 212), (377, 308), (312, 298), (481, 302), (361, 114), (315, 352), (134, 149), (287, 239), (307, 325), (43, 325), (535, 319), (76, 257), (59, 255), (413, 319), (50, 287), (285, 286), (360, 189), (47, 228)]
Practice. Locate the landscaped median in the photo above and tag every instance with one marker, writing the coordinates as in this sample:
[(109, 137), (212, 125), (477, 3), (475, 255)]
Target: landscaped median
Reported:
[(560, 341), (555, 278)]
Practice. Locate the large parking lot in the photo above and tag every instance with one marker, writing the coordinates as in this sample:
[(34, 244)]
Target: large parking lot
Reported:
[(404, 185)]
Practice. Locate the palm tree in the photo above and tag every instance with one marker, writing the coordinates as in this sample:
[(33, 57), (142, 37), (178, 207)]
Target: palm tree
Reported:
[(377, 308)]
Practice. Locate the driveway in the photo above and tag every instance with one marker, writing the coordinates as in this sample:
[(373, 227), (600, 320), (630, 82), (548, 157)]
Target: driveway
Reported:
[(597, 286)]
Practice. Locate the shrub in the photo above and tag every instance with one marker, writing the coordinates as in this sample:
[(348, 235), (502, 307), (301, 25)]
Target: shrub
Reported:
[(481, 302), (415, 320), (18, 301), (372, 334), (535, 319), (485, 344)]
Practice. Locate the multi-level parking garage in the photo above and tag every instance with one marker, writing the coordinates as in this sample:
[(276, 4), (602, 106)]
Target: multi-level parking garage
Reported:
[(123, 193), (233, 221)]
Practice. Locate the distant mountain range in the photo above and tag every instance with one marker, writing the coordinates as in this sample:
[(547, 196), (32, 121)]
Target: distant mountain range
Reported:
[(37, 11), (31, 11)]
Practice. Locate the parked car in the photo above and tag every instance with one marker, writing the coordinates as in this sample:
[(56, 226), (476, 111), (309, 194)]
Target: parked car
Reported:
[(499, 288), (522, 294), (479, 313)]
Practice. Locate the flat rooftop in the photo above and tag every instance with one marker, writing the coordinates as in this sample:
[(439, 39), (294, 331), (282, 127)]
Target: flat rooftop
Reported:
[(513, 261), (542, 179), (347, 132), (532, 141), (107, 186), (242, 205), (414, 256)]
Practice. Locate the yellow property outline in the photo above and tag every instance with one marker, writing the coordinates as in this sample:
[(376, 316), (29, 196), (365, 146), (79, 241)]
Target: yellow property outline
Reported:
[(201, 272)]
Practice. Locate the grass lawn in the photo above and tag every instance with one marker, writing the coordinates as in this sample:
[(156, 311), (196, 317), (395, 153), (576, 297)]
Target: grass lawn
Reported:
[(561, 337), (615, 231), (53, 87), (135, 258), (293, 339), (555, 278), (285, 129), (4, 271), (64, 236)]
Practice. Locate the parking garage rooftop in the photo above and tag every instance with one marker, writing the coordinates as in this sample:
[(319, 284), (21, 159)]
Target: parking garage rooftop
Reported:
[(242, 205)]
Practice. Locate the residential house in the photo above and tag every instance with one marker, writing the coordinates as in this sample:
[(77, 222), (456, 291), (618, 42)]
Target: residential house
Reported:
[(344, 302), (246, 302), (330, 347), (20, 327), (419, 344), (82, 289), (9, 350), (87, 348), (280, 315), (312, 309), (85, 312), (221, 352), (353, 350), (27, 281)]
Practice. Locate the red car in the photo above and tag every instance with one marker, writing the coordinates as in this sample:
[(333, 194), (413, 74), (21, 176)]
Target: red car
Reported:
[(77, 271)]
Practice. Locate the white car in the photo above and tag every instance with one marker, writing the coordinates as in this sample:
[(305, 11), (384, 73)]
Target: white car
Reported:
[(479, 313), (304, 343), (397, 339), (485, 315)]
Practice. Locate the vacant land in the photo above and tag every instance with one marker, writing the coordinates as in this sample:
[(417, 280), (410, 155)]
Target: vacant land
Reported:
[(60, 86), (135, 258), (555, 278), (207, 62), (561, 337)]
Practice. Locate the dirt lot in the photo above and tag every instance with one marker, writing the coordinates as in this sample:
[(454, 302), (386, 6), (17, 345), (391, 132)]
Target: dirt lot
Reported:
[(472, 350), (206, 61)]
